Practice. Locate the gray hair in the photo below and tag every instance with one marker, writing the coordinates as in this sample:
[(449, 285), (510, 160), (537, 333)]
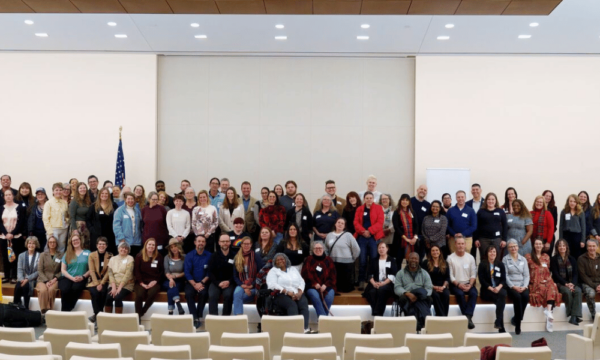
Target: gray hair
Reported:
[(592, 240), (151, 194), (225, 179), (392, 205), (315, 243), (331, 207), (125, 245), (512, 241), (33, 239), (288, 263)]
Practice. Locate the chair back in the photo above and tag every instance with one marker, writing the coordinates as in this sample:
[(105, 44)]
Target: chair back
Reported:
[(339, 326), (417, 343), (376, 341), (397, 326), (299, 353), (455, 325), (199, 342), (217, 352), (160, 323), (452, 353), (217, 325), (515, 353), (17, 334), (277, 326), (260, 339)]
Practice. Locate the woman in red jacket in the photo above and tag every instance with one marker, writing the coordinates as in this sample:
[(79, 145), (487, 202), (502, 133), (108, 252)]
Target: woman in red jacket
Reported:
[(543, 223), (368, 223)]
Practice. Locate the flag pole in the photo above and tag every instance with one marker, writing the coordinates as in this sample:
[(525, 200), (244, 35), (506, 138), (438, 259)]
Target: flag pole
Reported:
[(120, 130)]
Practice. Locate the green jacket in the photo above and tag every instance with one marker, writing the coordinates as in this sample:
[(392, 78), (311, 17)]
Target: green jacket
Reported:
[(405, 282)]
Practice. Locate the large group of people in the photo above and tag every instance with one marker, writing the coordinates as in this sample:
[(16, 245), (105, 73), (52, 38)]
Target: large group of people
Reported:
[(213, 244)]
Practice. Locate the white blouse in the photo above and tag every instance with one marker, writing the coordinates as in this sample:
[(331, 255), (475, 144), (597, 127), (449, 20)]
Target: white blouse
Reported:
[(178, 223), (289, 280)]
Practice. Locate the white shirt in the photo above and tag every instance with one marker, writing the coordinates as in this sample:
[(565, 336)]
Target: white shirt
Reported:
[(289, 280), (382, 272), (178, 222), (376, 195), (131, 213), (477, 204)]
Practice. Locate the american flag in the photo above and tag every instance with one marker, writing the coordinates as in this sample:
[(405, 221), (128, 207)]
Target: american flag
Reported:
[(120, 172)]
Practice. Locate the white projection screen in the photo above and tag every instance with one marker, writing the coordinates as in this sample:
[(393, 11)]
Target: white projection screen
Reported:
[(271, 119), (440, 181)]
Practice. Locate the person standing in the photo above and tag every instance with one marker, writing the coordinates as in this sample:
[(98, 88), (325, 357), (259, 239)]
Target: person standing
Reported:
[(154, 218), (78, 208), (205, 221), (338, 202), (491, 225), (273, 216), (343, 250), (12, 227), (371, 187), (435, 225), (287, 201), (127, 224), (543, 224), (248, 201), (55, 217), (551, 207), (99, 220), (324, 219), (301, 217), (179, 222), (463, 274), (462, 220), (572, 225), (93, 184), (35, 222), (477, 201), (368, 223)]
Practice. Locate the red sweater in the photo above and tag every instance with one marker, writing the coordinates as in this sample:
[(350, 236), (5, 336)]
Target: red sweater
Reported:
[(548, 232), (377, 219)]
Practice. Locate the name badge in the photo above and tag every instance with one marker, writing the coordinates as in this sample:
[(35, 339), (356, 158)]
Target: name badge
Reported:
[(153, 265), (388, 264), (319, 269), (365, 214), (497, 233), (102, 264), (466, 266), (232, 238), (124, 261), (230, 261), (205, 266), (436, 221), (125, 217), (175, 215), (498, 274), (318, 216), (101, 212), (423, 209), (257, 250), (496, 268), (300, 252), (171, 263), (23, 204), (596, 266), (544, 265), (155, 261), (86, 254), (465, 215), (567, 216), (509, 220), (58, 261), (159, 247), (497, 213), (304, 217), (293, 204)]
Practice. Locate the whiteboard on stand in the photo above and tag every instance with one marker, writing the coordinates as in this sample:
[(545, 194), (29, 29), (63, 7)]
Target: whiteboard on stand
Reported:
[(440, 181)]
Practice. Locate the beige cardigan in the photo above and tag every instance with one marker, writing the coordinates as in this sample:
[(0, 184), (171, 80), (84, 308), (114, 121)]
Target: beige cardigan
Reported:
[(96, 277)]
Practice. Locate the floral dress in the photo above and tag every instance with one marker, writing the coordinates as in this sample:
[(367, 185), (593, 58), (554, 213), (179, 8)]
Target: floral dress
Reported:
[(541, 286)]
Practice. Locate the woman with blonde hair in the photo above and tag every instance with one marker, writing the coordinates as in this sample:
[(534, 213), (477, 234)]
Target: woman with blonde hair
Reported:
[(140, 196), (543, 223), (205, 220), (99, 220), (75, 271), (175, 275), (572, 226), (49, 271), (247, 264), (148, 269), (121, 280)]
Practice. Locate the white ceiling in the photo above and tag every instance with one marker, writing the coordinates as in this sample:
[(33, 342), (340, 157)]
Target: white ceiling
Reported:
[(573, 28)]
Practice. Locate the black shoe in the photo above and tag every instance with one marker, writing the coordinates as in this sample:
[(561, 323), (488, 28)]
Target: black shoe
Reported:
[(579, 319), (180, 308), (573, 320), (170, 312), (92, 318), (512, 321), (518, 329), (471, 325), (501, 330)]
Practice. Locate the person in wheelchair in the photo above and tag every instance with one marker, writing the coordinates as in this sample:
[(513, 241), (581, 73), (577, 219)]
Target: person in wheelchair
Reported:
[(289, 285)]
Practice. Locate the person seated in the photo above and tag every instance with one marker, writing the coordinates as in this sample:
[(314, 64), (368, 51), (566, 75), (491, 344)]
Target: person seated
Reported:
[(247, 264), (195, 267), (49, 271), (542, 289), (381, 274), (27, 272), (319, 275), (492, 277), (293, 247), (565, 276), (290, 285), (74, 273), (121, 279), (175, 277), (148, 270), (265, 247), (438, 271), (220, 274), (98, 284), (588, 266), (413, 287), (463, 273), (237, 234), (517, 282)]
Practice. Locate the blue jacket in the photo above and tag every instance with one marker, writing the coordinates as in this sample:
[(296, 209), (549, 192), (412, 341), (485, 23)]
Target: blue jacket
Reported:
[(122, 226), (195, 266), (462, 221)]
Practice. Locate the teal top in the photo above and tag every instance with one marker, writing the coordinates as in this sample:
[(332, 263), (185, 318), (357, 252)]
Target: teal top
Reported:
[(79, 266)]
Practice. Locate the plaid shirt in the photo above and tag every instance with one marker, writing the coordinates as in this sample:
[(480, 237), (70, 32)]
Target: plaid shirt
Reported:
[(274, 217), (261, 277), (312, 275)]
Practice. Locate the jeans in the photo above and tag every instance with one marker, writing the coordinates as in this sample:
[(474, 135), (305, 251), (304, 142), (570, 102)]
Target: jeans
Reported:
[(173, 293), (467, 307), (368, 248), (315, 298), (239, 298), (214, 293)]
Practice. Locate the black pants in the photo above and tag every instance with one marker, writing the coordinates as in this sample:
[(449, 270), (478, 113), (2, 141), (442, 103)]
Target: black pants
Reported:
[(21, 291), (214, 293), (344, 279), (70, 292), (196, 309), (441, 302), (500, 300), (574, 241), (378, 298), (292, 307), (118, 299), (520, 301), (98, 297), (144, 298)]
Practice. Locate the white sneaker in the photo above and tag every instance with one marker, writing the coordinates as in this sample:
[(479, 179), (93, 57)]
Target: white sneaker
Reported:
[(549, 325), (549, 314)]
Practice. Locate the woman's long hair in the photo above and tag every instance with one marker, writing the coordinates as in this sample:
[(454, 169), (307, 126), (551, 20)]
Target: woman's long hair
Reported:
[(145, 254), (85, 201), (238, 260), (71, 255), (441, 262), (109, 207)]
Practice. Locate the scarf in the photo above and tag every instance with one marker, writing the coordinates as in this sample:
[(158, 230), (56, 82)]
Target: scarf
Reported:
[(249, 276), (319, 258), (408, 229), (565, 270), (30, 267), (541, 224)]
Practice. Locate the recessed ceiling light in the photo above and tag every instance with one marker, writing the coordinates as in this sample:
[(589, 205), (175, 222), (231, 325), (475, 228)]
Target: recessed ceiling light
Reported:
[(443, 37), (194, 25), (524, 36), (279, 26), (121, 36), (29, 22), (365, 26), (200, 36), (41, 34), (449, 26), (534, 24), (362, 37), (280, 37), (111, 23)]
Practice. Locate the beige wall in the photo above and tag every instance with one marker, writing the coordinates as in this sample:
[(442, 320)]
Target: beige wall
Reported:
[(526, 122), (270, 119), (61, 114)]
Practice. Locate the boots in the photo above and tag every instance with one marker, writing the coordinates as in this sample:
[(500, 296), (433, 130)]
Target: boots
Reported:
[(180, 308), (118, 310), (108, 309)]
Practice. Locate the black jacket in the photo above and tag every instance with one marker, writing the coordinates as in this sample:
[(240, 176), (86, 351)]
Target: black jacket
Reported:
[(399, 228), (485, 278), (220, 267), (373, 270), (295, 257), (92, 220), (21, 226), (306, 222), (556, 275)]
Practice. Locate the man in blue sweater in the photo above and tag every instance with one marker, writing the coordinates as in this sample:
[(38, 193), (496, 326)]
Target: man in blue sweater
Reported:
[(196, 273), (461, 220)]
